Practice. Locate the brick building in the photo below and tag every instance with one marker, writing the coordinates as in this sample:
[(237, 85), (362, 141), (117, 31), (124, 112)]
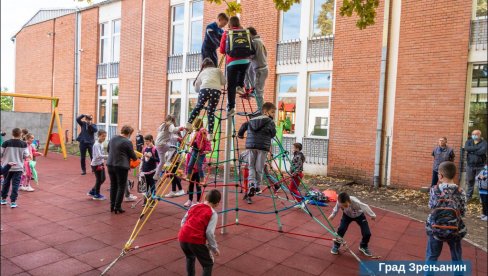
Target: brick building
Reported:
[(366, 104)]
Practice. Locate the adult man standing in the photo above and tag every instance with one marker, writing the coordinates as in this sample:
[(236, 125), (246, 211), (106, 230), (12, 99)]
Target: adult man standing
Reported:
[(441, 153), (86, 138), (476, 158)]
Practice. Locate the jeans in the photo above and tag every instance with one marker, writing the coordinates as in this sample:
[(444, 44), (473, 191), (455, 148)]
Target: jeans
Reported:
[(434, 249), (484, 203), (84, 147), (257, 160), (100, 178), (194, 180), (118, 185), (200, 252), (363, 224), (196, 158), (471, 173), (435, 178), (235, 77), (14, 178)]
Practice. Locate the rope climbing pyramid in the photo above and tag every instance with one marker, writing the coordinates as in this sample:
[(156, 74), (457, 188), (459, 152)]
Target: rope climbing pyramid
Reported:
[(228, 174)]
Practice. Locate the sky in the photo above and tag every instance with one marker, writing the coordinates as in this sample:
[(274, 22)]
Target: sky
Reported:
[(14, 14)]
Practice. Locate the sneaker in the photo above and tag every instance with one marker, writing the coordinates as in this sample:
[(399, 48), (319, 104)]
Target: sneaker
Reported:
[(248, 199), (231, 112), (13, 205), (98, 197), (187, 203), (131, 197), (29, 189), (252, 190), (22, 188), (83, 173), (91, 193), (3, 202), (485, 218), (180, 193), (365, 251), (189, 127), (258, 191), (299, 205), (334, 250), (240, 91), (170, 194)]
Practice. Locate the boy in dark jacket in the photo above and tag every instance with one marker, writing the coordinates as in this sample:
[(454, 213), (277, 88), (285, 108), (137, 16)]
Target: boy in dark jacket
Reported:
[(213, 34), (297, 173), (260, 132), (86, 138)]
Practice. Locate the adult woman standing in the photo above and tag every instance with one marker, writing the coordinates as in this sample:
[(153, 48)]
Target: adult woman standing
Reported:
[(120, 152)]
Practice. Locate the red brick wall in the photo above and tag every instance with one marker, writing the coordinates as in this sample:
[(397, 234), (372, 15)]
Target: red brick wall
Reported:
[(130, 59), (354, 100), (431, 85), (88, 62), (156, 50)]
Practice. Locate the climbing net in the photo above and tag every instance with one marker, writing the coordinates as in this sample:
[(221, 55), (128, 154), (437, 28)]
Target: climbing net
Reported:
[(276, 177)]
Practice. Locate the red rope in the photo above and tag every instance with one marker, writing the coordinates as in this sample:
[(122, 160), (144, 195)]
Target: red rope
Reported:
[(290, 233)]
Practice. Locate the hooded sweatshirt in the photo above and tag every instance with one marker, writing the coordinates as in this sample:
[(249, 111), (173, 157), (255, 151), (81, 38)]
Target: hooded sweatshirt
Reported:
[(260, 131), (259, 59)]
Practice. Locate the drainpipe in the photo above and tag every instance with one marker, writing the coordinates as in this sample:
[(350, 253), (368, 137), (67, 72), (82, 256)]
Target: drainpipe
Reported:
[(76, 90), (53, 35), (141, 70), (381, 96)]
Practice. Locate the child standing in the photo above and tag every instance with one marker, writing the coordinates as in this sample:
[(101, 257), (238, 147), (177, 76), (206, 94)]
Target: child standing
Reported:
[(258, 71), (213, 34), (483, 189), (13, 151), (98, 165), (297, 173), (165, 131), (352, 210), (150, 159), (260, 130), (444, 224), (237, 65), (198, 227), (208, 84), (27, 175)]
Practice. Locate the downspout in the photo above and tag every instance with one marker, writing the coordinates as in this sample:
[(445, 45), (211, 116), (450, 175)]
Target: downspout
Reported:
[(381, 96), (141, 70), (76, 96), (14, 40), (53, 34)]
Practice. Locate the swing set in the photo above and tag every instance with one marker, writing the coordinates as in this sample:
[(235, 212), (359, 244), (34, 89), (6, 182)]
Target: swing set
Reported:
[(54, 117)]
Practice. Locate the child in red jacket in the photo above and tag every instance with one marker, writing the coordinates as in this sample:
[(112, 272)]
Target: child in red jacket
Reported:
[(198, 227)]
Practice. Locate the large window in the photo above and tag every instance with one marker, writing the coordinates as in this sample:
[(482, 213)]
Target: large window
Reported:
[(177, 29), (291, 23), (323, 17), (116, 41), (287, 97), (175, 99), (478, 100), (114, 99), (104, 42), (192, 96), (196, 26), (318, 104), (480, 75), (102, 104)]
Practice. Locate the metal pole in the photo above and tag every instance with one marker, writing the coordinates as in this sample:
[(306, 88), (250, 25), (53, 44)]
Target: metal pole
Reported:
[(227, 156)]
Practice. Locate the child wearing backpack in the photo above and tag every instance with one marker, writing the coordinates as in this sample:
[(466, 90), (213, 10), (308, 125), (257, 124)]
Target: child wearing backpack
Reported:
[(150, 160), (208, 84), (483, 189), (353, 210), (213, 34), (236, 45), (260, 130), (258, 71), (444, 223)]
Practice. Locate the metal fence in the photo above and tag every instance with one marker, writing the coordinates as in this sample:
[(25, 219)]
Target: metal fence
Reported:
[(287, 145), (193, 61), (479, 36), (108, 70), (175, 63), (315, 150), (288, 52), (320, 49)]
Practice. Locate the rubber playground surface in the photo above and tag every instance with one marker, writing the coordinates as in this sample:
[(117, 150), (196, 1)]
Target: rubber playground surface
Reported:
[(58, 230)]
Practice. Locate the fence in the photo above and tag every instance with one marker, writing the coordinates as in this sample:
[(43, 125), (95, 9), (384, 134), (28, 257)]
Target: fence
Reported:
[(288, 52), (315, 150), (108, 70), (175, 63), (193, 61), (320, 49)]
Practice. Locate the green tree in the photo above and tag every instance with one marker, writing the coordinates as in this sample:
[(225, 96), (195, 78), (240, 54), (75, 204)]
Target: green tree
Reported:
[(325, 20), (7, 102)]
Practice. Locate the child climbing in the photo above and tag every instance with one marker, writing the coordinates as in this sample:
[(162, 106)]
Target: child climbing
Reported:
[(171, 155), (260, 130), (150, 159), (208, 84), (165, 132), (297, 173), (98, 165), (258, 71), (352, 210), (236, 45), (213, 34), (29, 164), (197, 227)]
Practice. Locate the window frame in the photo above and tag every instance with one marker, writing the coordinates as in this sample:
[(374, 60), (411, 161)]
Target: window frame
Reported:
[(112, 98), (312, 23), (99, 98), (174, 96), (112, 40), (282, 19), (106, 38), (317, 94), (290, 95), (195, 19), (173, 24)]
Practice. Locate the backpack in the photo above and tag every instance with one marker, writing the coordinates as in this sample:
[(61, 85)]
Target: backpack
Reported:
[(316, 195), (239, 44), (445, 218)]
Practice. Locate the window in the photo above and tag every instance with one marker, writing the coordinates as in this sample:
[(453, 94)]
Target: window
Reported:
[(177, 29), (287, 89), (192, 97), (196, 26), (480, 75), (291, 23), (114, 99), (478, 113), (323, 17), (102, 104), (481, 8), (175, 99), (104, 42), (318, 104), (116, 41)]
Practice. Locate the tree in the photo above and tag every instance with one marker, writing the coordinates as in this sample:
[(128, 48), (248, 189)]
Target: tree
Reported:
[(325, 20), (7, 102), (481, 8)]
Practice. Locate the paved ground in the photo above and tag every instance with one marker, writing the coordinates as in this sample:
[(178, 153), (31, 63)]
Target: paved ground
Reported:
[(58, 230)]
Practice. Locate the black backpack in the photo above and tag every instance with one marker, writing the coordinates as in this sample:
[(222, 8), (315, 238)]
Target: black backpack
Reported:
[(445, 218), (239, 44)]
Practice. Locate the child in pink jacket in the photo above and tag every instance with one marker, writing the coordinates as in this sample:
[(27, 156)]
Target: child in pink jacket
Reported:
[(33, 153)]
